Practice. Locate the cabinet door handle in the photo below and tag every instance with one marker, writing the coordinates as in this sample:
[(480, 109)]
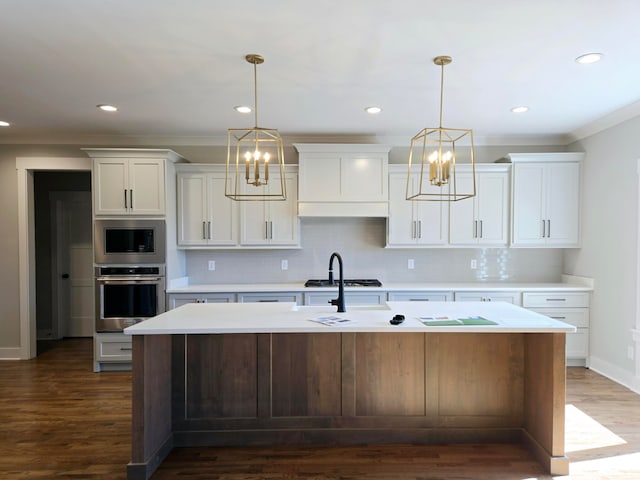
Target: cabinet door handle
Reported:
[(125, 199), (414, 229), (266, 230), (270, 230), (204, 230), (419, 228), (475, 229), (548, 228), (209, 230), (480, 229), (544, 228), (131, 199)]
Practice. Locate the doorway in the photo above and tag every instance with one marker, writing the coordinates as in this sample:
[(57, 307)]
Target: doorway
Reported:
[(63, 255), (26, 168)]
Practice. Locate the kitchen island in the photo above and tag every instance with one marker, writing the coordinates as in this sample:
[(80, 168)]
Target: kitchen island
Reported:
[(264, 374)]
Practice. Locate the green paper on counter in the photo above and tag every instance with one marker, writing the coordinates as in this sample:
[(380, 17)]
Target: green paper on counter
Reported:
[(445, 321)]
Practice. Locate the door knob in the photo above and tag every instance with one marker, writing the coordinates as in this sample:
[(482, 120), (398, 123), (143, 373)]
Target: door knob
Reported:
[(65, 275)]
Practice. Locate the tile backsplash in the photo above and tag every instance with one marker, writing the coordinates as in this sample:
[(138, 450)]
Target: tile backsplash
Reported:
[(360, 242)]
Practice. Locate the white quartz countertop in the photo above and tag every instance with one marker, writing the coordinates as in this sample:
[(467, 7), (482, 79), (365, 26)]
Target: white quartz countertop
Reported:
[(386, 287), (218, 318)]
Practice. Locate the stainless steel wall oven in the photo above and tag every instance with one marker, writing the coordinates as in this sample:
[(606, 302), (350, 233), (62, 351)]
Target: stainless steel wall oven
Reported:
[(126, 295)]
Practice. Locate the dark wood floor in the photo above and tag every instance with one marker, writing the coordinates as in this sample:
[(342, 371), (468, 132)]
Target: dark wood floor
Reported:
[(60, 420)]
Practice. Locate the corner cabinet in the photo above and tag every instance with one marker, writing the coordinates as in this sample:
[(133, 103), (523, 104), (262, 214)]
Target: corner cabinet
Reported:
[(484, 219), (272, 223), (205, 216), (546, 199), (341, 180), (129, 181), (413, 223)]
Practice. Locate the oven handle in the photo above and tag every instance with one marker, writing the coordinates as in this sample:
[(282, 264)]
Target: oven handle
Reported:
[(107, 280)]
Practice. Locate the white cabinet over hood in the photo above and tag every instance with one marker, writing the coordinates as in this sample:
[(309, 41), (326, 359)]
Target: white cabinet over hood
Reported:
[(343, 180)]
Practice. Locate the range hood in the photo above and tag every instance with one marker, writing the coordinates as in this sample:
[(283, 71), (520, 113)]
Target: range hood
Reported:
[(343, 180)]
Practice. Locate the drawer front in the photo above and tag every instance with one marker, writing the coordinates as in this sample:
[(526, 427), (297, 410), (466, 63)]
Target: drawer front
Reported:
[(578, 317), (555, 299), (350, 298), (114, 350), (269, 297), (420, 296)]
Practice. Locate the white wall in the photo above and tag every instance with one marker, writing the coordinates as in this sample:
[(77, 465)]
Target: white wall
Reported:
[(609, 246)]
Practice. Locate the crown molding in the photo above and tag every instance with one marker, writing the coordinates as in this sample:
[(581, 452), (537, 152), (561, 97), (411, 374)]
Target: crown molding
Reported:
[(603, 123)]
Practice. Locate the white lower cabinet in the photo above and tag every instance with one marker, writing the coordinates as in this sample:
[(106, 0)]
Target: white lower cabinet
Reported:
[(488, 296), (177, 299), (350, 298), (568, 307), (420, 296), (111, 351)]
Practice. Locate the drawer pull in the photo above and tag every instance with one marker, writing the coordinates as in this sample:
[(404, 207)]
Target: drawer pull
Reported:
[(126, 349), (268, 300), (418, 299), (558, 318), (556, 299)]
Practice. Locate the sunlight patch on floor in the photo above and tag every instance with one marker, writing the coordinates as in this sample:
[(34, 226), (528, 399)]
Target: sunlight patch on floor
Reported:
[(585, 433)]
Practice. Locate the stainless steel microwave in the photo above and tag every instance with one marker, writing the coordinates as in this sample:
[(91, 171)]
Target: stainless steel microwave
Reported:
[(129, 241)]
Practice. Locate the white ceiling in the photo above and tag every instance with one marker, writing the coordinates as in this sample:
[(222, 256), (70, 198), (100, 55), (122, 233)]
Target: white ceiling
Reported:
[(176, 68)]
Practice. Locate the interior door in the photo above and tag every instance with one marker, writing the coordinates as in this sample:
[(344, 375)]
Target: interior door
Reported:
[(73, 287)]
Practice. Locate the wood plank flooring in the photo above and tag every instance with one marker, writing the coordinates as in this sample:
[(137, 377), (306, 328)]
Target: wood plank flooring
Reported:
[(59, 420)]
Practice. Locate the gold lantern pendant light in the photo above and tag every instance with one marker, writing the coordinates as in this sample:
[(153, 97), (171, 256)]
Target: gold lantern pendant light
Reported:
[(250, 153), (440, 150)]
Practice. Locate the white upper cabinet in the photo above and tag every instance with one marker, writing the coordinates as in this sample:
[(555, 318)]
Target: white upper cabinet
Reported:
[(129, 181), (483, 219), (412, 222), (546, 199), (340, 180), (272, 223), (205, 216)]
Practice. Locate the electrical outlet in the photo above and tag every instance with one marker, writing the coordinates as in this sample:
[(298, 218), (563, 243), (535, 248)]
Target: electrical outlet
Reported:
[(474, 264), (284, 264), (411, 264), (630, 353), (212, 265)]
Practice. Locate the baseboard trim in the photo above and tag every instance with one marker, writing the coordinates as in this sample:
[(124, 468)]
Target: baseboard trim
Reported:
[(10, 353), (615, 373)]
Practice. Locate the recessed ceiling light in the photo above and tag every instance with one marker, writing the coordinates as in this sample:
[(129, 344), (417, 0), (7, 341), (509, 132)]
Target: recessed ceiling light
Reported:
[(242, 109), (373, 110), (107, 108), (520, 109), (589, 58), (4, 124)]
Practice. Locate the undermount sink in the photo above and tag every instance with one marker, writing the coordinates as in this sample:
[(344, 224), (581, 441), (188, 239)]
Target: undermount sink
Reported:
[(330, 308)]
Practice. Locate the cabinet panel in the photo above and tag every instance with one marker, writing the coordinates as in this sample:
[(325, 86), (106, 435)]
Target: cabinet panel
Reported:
[(488, 296), (146, 185), (111, 182), (273, 223), (112, 347), (482, 220), (295, 297), (129, 186), (178, 299), (205, 216), (555, 299), (419, 296), (411, 222), (350, 298), (546, 199)]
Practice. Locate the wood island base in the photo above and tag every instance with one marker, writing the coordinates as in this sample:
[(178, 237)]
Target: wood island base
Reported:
[(347, 388)]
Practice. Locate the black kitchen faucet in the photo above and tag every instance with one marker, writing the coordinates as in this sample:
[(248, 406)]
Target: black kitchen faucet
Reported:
[(339, 302)]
